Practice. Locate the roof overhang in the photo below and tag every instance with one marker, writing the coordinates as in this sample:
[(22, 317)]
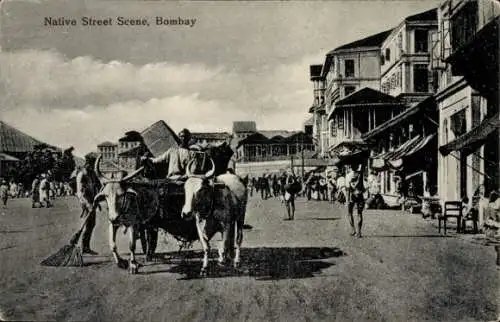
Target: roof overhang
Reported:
[(395, 121)]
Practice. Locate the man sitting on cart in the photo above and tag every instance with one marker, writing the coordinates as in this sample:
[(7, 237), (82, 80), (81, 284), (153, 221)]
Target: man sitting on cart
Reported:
[(176, 158)]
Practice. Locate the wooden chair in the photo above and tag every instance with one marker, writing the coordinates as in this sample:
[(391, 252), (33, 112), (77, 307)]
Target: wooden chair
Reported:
[(451, 209), (472, 215)]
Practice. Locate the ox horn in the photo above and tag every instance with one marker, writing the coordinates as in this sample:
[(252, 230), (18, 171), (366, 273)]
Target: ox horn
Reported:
[(98, 172), (188, 167), (210, 172)]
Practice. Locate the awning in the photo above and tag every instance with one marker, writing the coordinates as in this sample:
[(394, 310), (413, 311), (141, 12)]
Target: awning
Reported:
[(475, 138), (6, 157), (396, 162), (389, 154), (394, 159)]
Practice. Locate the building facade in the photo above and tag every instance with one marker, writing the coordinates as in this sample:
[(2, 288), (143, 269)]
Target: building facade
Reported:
[(467, 43), (405, 58), (108, 151), (354, 103)]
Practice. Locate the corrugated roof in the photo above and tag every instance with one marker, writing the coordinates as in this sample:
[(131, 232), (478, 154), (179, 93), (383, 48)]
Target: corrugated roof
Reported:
[(424, 16), (210, 135), (274, 133), (370, 41), (13, 140), (367, 95)]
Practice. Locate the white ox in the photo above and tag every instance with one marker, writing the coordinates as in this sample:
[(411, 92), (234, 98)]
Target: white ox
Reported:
[(217, 207), (129, 207)]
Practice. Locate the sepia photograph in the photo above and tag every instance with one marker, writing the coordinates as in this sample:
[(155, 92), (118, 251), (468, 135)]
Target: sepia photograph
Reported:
[(249, 160)]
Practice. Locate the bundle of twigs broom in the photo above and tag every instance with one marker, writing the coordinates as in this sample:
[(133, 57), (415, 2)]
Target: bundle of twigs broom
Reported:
[(70, 254)]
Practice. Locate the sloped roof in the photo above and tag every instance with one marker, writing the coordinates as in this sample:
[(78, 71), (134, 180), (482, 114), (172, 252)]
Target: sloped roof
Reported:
[(424, 16), (367, 95), (370, 41), (309, 121), (107, 143), (13, 140), (278, 133), (255, 138), (159, 137)]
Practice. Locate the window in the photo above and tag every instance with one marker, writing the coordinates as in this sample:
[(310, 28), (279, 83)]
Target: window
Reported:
[(387, 54), (420, 78), (421, 41), (349, 89), (458, 123), (333, 127), (349, 68)]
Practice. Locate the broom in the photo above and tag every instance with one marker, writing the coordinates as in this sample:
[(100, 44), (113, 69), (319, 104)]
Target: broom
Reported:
[(70, 254)]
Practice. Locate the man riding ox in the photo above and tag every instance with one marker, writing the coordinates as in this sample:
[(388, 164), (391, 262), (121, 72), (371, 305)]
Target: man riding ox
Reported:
[(218, 205), (132, 206)]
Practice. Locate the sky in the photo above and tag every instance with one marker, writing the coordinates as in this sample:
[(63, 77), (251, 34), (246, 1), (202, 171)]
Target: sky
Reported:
[(82, 85)]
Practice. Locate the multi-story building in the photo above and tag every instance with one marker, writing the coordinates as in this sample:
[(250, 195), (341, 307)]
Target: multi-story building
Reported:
[(320, 123), (108, 151), (405, 58), (468, 93), (354, 103), (212, 138), (406, 74)]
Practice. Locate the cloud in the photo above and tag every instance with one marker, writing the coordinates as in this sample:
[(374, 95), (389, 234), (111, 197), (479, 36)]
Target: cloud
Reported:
[(83, 101)]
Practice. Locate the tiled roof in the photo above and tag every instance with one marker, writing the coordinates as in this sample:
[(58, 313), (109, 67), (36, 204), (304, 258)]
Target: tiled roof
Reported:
[(370, 41), (424, 16), (13, 140)]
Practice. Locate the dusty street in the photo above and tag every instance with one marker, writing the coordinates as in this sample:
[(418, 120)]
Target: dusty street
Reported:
[(303, 270)]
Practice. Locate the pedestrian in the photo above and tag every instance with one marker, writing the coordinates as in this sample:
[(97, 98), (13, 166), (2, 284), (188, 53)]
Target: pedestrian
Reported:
[(87, 187), (44, 191), (355, 191), (35, 192), (291, 188), (4, 192)]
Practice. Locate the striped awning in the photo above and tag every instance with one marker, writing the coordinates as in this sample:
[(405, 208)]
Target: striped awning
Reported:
[(394, 159)]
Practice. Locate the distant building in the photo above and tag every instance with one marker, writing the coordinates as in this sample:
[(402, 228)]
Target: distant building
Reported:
[(243, 129), (213, 138), (274, 146), (108, 151)]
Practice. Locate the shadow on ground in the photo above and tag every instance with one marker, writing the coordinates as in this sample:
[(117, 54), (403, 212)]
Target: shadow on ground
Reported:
[(262, 263), (408, 236), (320, 218)]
